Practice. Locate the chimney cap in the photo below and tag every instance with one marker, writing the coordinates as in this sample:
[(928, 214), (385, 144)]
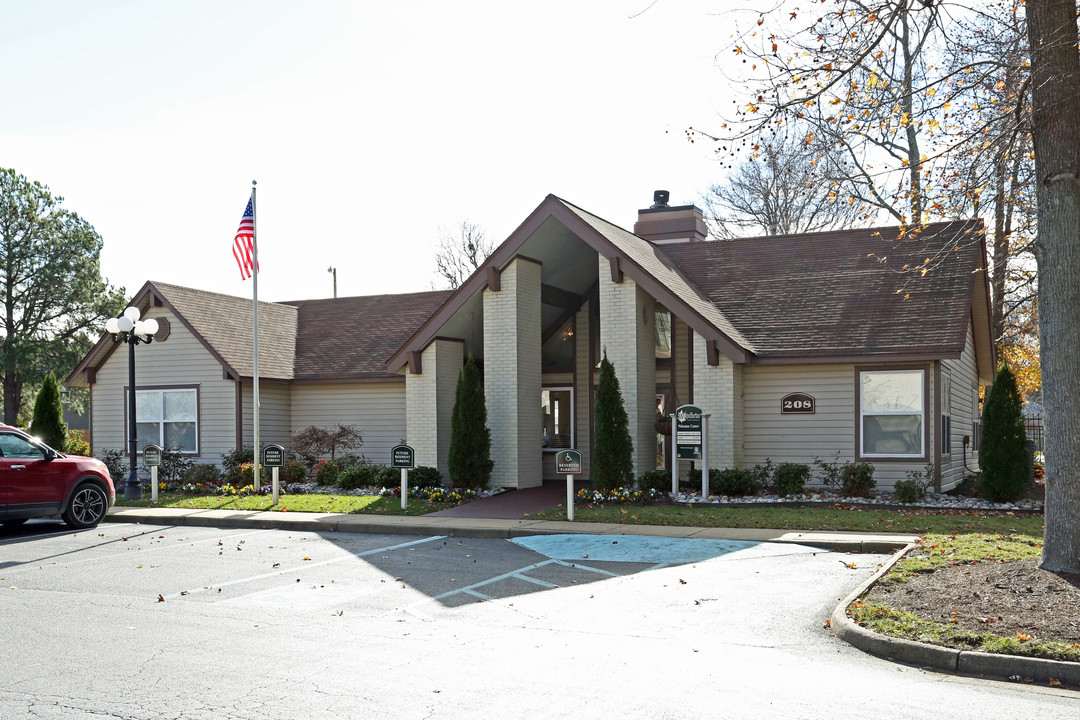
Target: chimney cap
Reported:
[(660, 199)]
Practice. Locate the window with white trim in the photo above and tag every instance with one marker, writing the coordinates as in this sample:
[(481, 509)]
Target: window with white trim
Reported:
[(557, 413), (168, 419), (946, 412), (891, 413)]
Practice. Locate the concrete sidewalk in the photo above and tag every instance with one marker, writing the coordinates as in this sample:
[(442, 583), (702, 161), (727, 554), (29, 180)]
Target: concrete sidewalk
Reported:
[(493, 527)]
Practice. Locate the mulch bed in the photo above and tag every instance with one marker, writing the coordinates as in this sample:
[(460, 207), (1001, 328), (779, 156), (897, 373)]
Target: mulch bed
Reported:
[(1004, 598)]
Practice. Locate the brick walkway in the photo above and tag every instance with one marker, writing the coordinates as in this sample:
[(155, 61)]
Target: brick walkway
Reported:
[(512, 504)]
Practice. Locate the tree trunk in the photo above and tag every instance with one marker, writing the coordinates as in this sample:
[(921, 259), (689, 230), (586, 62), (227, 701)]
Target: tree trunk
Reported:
[(1055, 66)]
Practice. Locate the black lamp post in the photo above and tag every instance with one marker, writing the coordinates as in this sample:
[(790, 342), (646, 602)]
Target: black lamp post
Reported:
[(129, 329)]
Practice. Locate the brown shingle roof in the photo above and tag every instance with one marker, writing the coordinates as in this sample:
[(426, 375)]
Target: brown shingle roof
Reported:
[(353, 337), (650, 259), (224, 323), (836, 293)]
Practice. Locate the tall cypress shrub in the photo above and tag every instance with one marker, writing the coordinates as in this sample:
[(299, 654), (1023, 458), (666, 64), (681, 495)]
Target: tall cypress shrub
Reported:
[(612, 461), (470, 461), (1003, 452), (48, 423)]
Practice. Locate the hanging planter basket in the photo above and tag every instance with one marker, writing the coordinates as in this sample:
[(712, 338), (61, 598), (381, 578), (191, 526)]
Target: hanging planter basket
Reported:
[(663, 426)]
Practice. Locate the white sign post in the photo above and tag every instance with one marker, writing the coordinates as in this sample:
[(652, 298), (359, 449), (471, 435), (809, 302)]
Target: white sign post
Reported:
[(689, 441), (273, 456), (568, 462), (705, 457), (152, 458), (404, 457)]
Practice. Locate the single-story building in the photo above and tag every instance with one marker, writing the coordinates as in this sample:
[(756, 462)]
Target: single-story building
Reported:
[(869, 344)]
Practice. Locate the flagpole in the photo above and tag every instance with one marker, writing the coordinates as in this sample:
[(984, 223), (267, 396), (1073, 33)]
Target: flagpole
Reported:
[(255, 332)]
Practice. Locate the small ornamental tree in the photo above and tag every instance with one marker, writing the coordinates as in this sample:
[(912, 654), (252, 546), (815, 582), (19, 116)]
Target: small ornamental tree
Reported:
[(612, 461), (470, 461), (1003, 452), (48, 423)]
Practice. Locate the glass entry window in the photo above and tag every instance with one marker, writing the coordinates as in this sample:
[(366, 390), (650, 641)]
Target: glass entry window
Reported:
[(167, 418), (892, 410), (557, 411)]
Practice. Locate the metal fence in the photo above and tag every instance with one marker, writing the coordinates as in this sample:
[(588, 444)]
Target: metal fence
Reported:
[(1033, 426)]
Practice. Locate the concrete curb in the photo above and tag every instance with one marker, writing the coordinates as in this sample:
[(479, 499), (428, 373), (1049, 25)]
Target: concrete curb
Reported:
[(494, 528), (925, 655)]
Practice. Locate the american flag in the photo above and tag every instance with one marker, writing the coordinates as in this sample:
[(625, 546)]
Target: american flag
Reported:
[(244, 243)]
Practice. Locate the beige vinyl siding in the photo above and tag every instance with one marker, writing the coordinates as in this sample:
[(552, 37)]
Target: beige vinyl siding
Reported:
[(770, 435), (179, 361), (376, 409), (582, 399), (274, 414), (964, 401)]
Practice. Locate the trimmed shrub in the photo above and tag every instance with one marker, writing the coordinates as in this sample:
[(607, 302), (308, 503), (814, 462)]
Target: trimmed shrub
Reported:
[(293, 471), (790, 478), (613, 451), (857, 480), (247, 474), (327, 472), (231, 462), (764, 473), (48, 423), (203, 474), (116, 463), (659, 480), (357, 476), (1004, 454), (469, 461), (908, 491), (424, 476), (728, 481), (76, 445)]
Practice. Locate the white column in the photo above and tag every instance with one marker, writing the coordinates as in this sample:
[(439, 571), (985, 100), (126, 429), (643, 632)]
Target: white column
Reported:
[(628, 334), (429, 403), (512, 375), (718, 391)]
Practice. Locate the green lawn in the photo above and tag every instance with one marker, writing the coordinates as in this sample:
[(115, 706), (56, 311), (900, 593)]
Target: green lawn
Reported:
[(884, 521), (367, 504)]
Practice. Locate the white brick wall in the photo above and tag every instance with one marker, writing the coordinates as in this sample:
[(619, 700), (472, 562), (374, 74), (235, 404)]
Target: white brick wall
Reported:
[(512, 375), (429, 403), (718, 392), (627, 333)]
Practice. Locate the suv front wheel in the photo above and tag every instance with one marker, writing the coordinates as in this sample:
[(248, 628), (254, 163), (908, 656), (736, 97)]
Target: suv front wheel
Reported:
[(87, 507)]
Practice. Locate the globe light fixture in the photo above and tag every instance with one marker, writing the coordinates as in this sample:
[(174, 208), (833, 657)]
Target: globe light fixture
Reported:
[(128, 328)]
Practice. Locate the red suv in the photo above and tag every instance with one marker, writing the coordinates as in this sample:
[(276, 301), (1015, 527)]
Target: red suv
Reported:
[(37, 481)]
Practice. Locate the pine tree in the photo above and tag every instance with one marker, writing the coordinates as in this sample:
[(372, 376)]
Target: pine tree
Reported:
[(612, 461), (48, 423), (1003, 453), (470, 461)]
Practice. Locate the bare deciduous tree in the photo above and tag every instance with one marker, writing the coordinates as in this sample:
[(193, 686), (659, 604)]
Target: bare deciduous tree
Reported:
[(777, 191), (460, 252)]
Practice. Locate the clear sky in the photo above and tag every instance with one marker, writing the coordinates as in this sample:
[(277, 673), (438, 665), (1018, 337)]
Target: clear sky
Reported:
[(368, 125)]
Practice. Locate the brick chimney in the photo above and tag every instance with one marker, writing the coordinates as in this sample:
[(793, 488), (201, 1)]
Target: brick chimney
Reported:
[(662, 224)]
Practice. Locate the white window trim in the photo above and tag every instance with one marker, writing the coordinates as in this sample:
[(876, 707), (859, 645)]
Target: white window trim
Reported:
[(573, 418), (945, 433), (161, 421), (922, 414)]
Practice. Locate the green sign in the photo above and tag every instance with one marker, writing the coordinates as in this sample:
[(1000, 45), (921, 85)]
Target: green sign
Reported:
[(151, 456), (273, 456), (688, 432), (568, 462), (402, 456)]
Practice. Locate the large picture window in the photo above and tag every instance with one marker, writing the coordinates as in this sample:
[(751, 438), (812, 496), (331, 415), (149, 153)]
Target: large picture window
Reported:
[(557, 411), (168, 418), (892, 413)]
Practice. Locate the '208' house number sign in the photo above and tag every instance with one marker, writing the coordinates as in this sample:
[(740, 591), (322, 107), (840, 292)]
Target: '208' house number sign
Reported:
[(797, 403)]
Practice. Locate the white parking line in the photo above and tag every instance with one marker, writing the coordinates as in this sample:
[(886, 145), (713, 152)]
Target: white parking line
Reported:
[(305, 566), (519, 574)]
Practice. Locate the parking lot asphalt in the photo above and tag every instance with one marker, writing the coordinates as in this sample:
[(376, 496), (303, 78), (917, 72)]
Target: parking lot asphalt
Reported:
[(920, 654)]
